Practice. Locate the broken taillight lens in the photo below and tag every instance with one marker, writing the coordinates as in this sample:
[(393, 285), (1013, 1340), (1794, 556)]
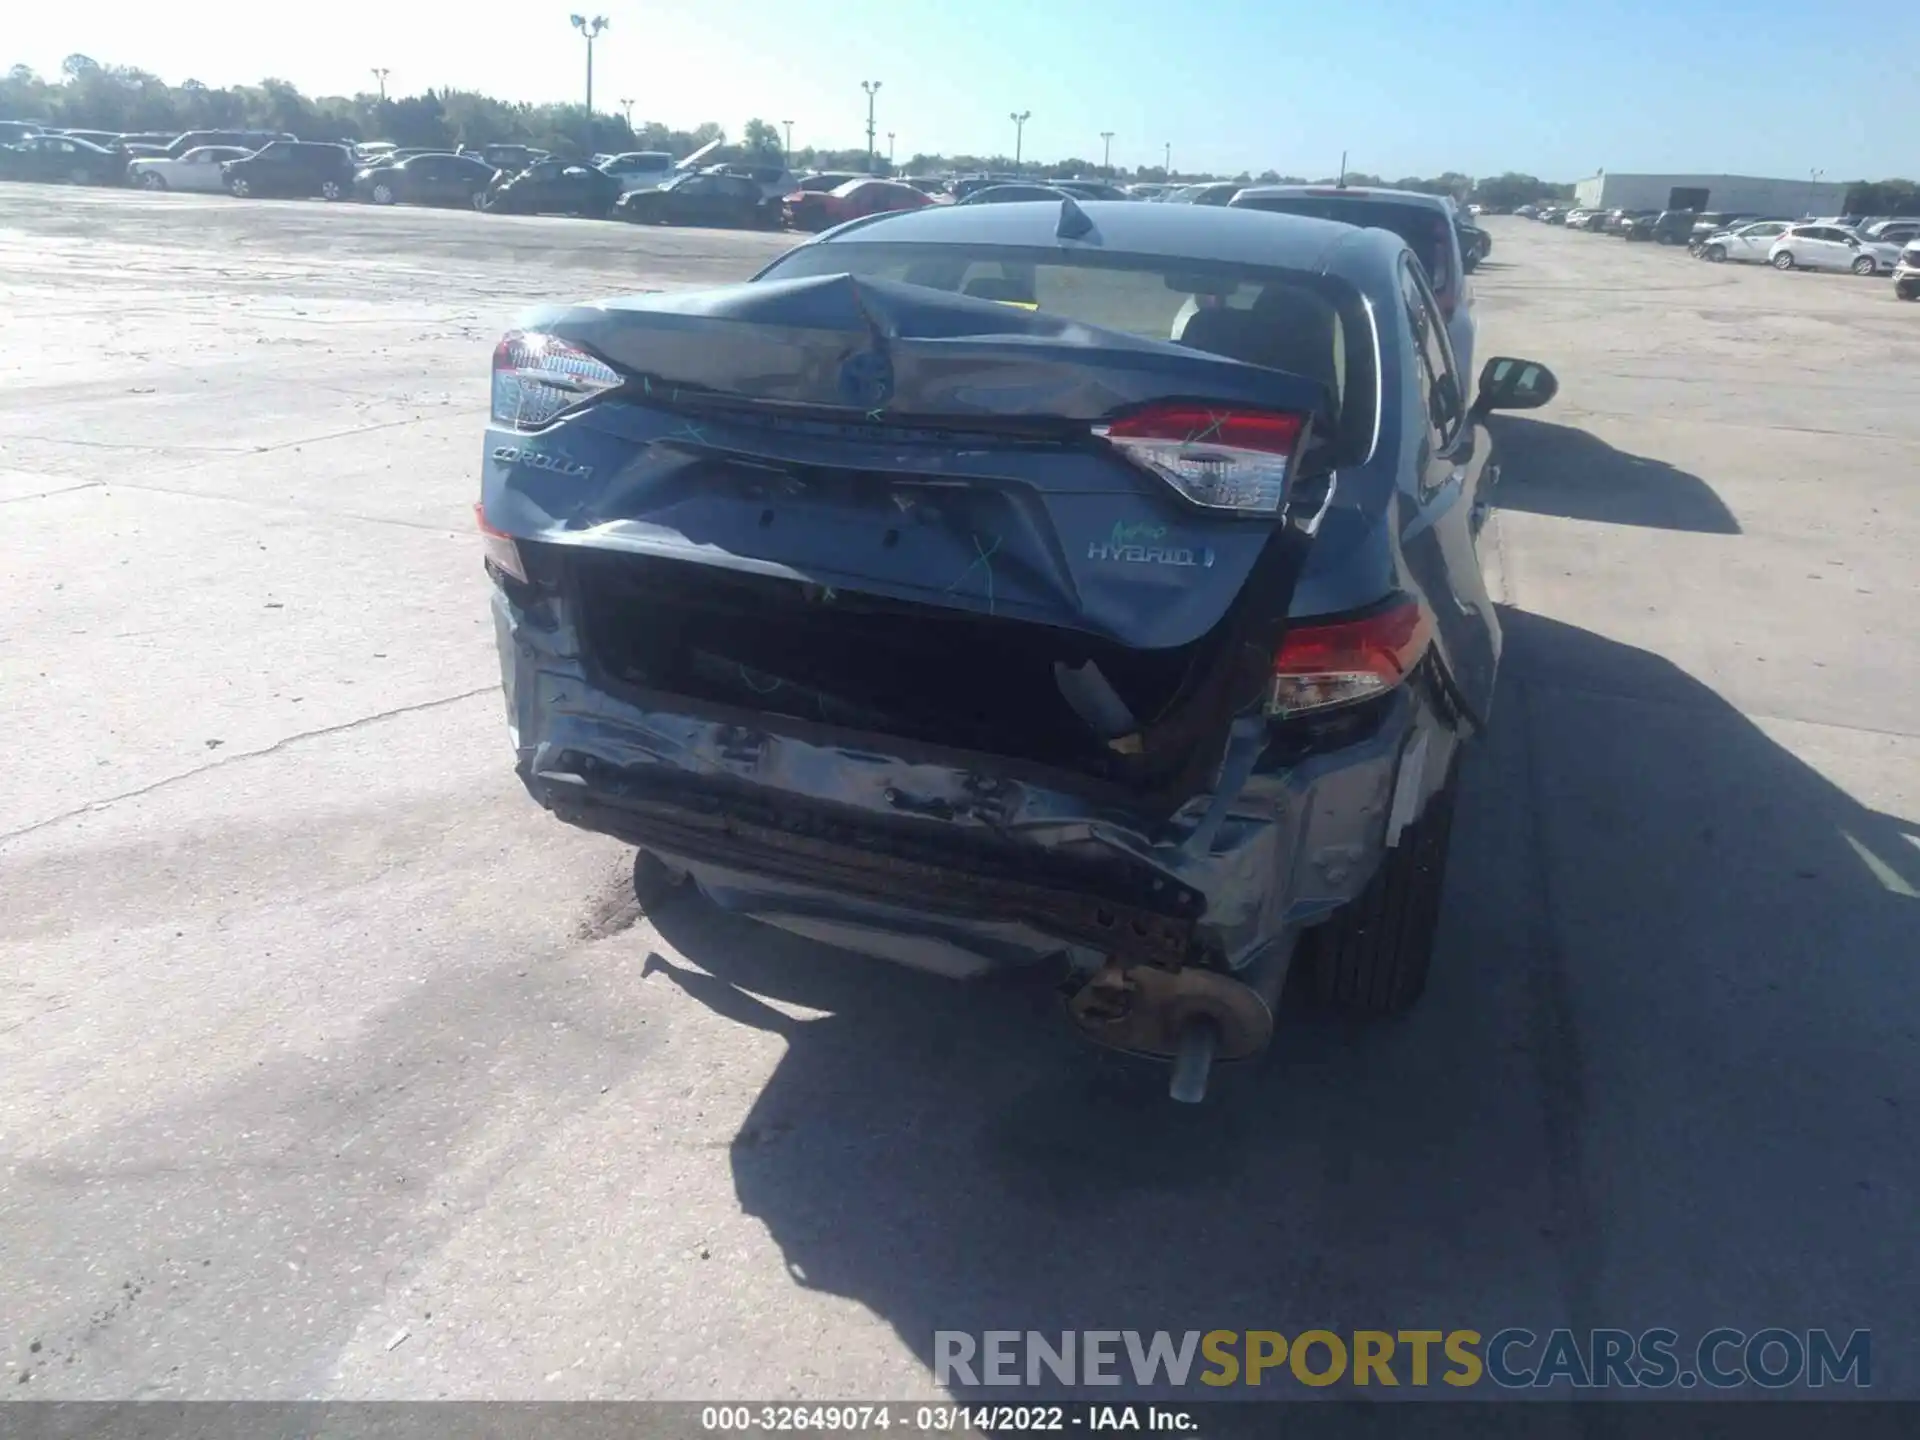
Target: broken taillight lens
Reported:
[(1323, 664), (1224, 459), (499, 546), (537, 376)]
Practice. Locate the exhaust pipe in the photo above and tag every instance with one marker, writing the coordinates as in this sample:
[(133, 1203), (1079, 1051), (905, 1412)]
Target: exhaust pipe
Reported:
[(1192, 1016)]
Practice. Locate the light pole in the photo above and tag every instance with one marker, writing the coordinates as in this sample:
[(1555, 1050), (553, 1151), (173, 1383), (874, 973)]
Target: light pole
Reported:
[(1106, 155), (872, 87), (380, 75), (626, 107), (1167, 165), (591, 29), (1019, 118), (1813, 191), (889, 149), (787, 158)]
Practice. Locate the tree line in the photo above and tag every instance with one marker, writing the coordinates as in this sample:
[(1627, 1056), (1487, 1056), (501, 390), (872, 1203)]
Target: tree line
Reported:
[(123, 99)]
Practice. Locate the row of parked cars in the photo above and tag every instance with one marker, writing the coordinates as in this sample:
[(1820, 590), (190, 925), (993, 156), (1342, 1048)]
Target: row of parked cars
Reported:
[(1860, 244)]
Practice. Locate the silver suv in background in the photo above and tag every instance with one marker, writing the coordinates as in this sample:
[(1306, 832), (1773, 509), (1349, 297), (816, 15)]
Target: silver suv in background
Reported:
[(1906, 275)]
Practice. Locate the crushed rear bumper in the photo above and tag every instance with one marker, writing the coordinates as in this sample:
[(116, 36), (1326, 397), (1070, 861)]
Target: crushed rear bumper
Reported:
[(953, 861)]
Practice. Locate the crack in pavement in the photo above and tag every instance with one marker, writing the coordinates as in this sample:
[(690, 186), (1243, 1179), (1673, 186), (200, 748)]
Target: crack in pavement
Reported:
[(224, 760)]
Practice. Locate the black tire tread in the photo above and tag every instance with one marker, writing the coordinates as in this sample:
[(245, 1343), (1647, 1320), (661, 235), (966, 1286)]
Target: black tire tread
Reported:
[(1373, 956)]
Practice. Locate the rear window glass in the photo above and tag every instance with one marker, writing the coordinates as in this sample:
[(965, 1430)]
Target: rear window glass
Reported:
[(1423, 228), (1308, 325)]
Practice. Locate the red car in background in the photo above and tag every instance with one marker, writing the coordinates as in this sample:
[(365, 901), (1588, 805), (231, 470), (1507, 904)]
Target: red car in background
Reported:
[(823, 209)]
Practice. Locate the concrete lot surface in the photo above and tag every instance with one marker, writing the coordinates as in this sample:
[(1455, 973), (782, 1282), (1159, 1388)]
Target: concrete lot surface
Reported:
[(330, 1066)]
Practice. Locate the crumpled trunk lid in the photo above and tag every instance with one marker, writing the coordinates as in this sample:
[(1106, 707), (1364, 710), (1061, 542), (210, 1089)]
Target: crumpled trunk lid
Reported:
[(896, 440)]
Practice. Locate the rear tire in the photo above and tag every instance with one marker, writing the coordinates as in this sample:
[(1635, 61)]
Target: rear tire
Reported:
[(1783, 261), (1372, 957), (1907, 289), (654, 885), (383, 195), (1864, 265), (331, 190), (1715, 253), (239, 189), (149, 180)]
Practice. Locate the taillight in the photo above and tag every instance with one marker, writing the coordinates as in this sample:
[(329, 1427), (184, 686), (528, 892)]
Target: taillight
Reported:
[(1338, 663), (537, 376), (499, 546), (1225, 459)]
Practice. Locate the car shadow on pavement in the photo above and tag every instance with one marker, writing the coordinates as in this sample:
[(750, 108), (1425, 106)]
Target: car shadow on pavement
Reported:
[(1665, 1026), (1550, 469)]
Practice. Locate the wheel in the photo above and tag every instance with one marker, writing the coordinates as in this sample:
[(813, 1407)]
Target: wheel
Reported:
[(1783, 261), (1372, 957), (152, 180), (238, 188), (383, 194), (1715, 253), (1907, 289), (654, 885), (480, 200), (331, 189), (1864, 265), (79, 175)]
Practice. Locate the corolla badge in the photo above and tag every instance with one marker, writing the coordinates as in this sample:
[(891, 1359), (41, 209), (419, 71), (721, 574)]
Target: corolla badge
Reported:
[(541, 460), (866, 380), (1146, 545)]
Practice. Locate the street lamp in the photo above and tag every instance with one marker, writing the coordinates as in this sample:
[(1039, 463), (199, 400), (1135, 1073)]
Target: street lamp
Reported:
[(591, 29), (1168, 165), (1106, 155), (1813, 192), (380, 75), (626, 107), (787, 158), (872, 87), (1019, 118), (889, 149)]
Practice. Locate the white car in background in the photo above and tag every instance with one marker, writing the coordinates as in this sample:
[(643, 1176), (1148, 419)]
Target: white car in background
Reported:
[(1749, 243), (1830, 247), (198, 169), (1906, 275)]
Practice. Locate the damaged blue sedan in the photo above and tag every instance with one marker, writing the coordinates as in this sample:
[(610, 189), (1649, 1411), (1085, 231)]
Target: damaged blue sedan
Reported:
[(1068, 583)]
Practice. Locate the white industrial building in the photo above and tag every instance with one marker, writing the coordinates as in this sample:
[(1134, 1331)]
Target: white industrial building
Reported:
[(1744, 193)]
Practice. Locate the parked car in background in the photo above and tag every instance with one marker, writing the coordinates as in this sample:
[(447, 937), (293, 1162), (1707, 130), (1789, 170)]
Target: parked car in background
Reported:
[(965, 185), (1148, 190), (431, 179), (552, 187), (12, 132), (1006, 194), (1641, 225), (61, 159), (105, 139), (1090, 189), (1425, 223), (816, 210), (251, 141), (775, 181), (1553, 215), (1906, 275), (508, 159), (640, 169), (1830, 247), (200, 170), (1747, 243), (1891, 232), (731, 201), (292, 169), (1214, 192), (973, 770), (926, 184)]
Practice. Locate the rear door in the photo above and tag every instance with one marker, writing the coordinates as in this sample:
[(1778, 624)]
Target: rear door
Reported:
[(1440, 542)]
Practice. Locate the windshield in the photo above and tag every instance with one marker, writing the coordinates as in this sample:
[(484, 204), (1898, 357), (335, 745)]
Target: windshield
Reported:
[(1308, 325), (1422, 227)]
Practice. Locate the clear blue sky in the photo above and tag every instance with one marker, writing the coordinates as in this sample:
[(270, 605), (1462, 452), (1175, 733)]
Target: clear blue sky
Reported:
[(1764, 87)]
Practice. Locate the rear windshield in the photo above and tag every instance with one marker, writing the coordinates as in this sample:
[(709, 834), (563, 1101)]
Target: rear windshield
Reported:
[(1308, 325), (1423, 227)]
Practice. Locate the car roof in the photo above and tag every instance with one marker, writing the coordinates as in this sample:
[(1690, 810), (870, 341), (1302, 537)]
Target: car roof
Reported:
[(1355, 192), (1187, 232)]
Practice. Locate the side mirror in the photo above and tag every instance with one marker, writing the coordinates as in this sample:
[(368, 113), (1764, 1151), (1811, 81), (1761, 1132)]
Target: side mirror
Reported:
[(1510, 384)]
